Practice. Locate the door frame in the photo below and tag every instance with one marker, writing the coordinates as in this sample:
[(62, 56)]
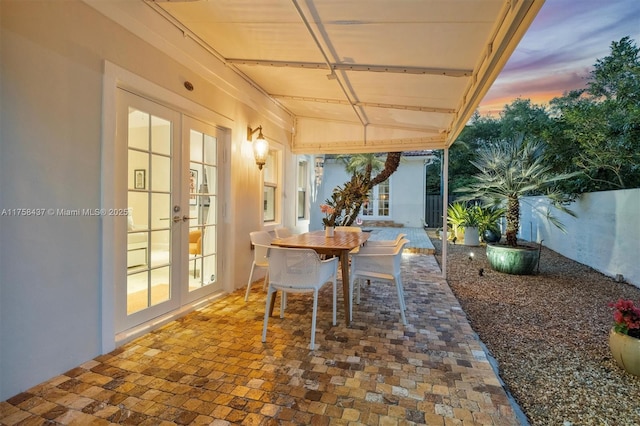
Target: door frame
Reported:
[(113, 258)]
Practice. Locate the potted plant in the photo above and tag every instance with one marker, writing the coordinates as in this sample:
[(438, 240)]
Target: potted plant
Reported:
[(329, 219), (490, 224), (471, 225), (509, 171), (456, 215), (465, 222), (624, 337)]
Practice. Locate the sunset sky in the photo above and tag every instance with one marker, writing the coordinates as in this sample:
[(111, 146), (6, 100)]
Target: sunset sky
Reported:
[(559, 49)]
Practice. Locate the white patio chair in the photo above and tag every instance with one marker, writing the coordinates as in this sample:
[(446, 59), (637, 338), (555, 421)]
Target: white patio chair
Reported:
[(283, 232), (293, 270), (261, 241), (380, 263)]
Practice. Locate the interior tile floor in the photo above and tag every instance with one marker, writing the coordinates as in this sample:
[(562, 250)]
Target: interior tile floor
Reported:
[(210, 367)]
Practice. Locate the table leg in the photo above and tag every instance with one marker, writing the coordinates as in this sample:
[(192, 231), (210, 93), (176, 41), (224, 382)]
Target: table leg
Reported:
[(344, 264)]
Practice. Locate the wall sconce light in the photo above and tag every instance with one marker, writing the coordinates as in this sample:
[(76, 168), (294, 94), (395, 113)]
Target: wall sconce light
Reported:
[(260, 146)]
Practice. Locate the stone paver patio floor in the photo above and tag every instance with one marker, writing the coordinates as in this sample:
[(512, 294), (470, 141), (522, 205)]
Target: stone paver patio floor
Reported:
[(210, 367)]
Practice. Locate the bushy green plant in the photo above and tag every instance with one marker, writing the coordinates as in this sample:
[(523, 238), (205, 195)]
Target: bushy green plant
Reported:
[(456, 215), (489, 219)]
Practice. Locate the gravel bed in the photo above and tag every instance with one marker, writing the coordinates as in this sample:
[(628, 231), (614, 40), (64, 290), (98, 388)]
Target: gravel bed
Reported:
[(549, 335)]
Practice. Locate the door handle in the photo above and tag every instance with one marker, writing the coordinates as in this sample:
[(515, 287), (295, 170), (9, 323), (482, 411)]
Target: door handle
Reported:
[(177, 219)]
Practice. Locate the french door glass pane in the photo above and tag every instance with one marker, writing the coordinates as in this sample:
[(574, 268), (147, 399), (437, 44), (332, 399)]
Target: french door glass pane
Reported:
[(202, 209), (161, 136), (161, 173), (149, 203)]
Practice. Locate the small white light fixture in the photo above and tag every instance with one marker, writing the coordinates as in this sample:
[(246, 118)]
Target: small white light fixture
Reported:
[(260, 146), (319, 169)]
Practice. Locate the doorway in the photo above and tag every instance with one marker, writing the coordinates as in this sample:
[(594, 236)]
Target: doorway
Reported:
[(172, 192)]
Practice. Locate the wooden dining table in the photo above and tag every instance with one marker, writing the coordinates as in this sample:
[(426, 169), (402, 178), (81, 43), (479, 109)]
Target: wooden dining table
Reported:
[(339, 245)]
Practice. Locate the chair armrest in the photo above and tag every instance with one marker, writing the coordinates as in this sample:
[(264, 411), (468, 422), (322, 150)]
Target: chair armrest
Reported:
[(329, 267), (331, 260)]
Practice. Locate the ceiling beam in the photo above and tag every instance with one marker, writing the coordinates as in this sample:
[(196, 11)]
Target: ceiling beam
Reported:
[(366, 104), (451, 72), (360, 147)]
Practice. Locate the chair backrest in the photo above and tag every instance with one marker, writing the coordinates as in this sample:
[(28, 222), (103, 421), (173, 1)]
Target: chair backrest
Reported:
[(195, 235), (283, 232), (348, 228), (395, 242), (384, 260), (195, 242), (261, 241), (293, 267)]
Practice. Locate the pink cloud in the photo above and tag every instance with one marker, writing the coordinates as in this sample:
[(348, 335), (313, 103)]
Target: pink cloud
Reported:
[(560, 48)]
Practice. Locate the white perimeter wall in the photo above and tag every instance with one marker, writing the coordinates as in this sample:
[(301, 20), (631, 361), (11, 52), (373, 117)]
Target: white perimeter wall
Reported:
[(605, 234)]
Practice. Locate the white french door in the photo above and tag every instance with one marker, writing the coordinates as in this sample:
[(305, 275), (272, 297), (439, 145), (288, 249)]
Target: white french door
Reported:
[(379, 204), (171, 202), (201, 148)]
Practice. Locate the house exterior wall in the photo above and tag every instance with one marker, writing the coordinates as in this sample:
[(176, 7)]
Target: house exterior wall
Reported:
[(407, 191), (52, 62), (605, 234)]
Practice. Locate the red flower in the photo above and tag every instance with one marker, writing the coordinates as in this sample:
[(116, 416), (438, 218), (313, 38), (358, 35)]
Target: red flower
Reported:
[(626, 317)]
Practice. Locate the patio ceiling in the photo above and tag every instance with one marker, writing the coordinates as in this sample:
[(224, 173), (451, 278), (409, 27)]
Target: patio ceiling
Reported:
[(363, 75)]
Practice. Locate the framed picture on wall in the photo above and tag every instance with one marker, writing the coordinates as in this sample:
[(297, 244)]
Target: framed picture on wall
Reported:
[(139, 179), (193, 184)]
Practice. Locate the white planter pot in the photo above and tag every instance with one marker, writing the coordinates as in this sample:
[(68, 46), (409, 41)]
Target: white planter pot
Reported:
[(471, 236)]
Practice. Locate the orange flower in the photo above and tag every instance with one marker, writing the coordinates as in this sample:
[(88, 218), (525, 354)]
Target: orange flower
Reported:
[(328, 211)]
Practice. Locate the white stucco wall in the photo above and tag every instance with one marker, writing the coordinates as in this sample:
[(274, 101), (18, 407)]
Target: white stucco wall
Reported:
[(52, 62), (605, 234)]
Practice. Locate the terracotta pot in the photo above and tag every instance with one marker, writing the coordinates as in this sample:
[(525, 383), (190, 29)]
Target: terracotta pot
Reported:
[(626, 351)]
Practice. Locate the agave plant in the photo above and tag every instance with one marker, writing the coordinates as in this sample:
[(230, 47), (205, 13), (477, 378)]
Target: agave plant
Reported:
[(511, 170)]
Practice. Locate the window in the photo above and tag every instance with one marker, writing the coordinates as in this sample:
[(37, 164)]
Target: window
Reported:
[(302, 189), (379, 201), (270, 187)]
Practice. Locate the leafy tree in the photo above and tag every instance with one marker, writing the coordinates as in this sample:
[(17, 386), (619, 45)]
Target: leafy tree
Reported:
[(479, 132), (347, 200), (597, 130), (523, 117)]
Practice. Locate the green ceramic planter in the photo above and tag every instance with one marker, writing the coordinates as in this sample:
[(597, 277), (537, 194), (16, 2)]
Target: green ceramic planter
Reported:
[(520, 260)]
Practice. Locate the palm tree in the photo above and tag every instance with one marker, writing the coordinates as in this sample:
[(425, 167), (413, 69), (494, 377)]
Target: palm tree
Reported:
[(511, 170), (361, 162)]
